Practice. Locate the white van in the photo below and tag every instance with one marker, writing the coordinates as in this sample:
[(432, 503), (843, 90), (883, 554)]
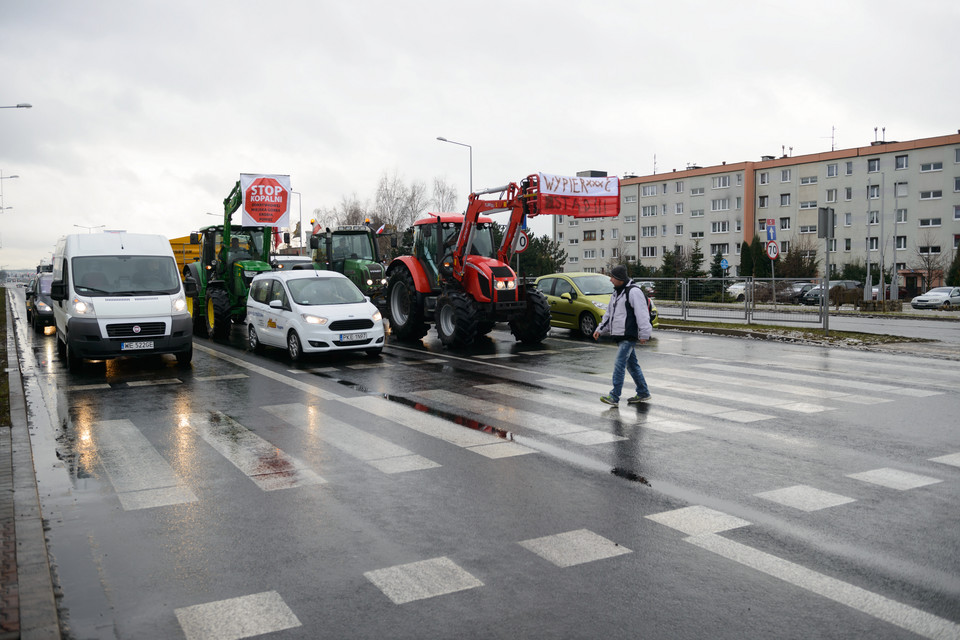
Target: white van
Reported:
[(119, 294)]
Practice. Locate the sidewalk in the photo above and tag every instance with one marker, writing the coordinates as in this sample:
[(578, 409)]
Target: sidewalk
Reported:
[(29, 608)]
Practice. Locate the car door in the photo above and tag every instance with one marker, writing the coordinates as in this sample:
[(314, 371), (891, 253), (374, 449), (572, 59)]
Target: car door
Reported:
[(277, 317), (566, 311)]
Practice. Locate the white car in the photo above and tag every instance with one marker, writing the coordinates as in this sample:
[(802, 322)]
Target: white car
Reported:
[(308, 311), (938, 298)]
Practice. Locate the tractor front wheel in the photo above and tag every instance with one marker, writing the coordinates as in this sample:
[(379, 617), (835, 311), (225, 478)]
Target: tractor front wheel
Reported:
[(406, 315), (533, 327), (456, 320), (218, 313)]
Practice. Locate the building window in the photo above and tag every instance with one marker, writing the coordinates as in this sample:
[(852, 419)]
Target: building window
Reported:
[(649, 211), (663, 230), (847, 244), (931, 166), (831, 195), (696, 191), (574, 259), (956, 184), (784, 199), (629, 238), (785, 246), (648, 252), (574, 222), (900, 189), (721, 182), (722, 247), (678, 207), (613, 234), (560, 236), (849, 167), (720, 226), (739, 203), (931, 195), (630, 199), (574, 240), (930, 251), (847, 219), (764, 200), (929, 222), (739, 226), (808, 180), (848, 193), (761, 223), (901, 243), (808, 204), (696, 213), (679, 184), (590, 235), (629, 219), (810, 228), (833, 170), (873, 217), (874, 243), (648, 232), (615, 253), (901, 162), (696, 234), (649, 190), (873, 165), (589, 254), (956, 211), (720, 204), (678, 230), (901, 215), (873, 191), (785, 175), (764, 177), (784, 224)]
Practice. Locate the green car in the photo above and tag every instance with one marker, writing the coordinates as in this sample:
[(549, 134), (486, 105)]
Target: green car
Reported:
[(579, 300)]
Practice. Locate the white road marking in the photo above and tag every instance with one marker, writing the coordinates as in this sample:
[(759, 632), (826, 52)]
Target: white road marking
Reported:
[(805, 498), (379, 453), (574, 547), (420, 580), (139, 475), (273, 375), (229, 376), (436, 427), (89, 387), (237, 618), (698, 520), (266, 465), (951, 459), (894, 478), (153, 383)]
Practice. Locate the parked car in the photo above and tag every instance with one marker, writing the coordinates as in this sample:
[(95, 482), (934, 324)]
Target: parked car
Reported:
[(794, 292), (579, 300), (308, 311), (737, 291), (812, 296), (288, 263), (39, 304), (938, 298)]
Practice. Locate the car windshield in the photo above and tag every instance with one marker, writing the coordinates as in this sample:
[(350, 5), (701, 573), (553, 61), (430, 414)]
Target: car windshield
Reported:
[(45, 284), (594, 285), (940, 291), (317, 291), (125, 275)]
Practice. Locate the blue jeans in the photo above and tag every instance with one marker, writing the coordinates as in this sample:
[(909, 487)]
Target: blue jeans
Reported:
[(627, 360)]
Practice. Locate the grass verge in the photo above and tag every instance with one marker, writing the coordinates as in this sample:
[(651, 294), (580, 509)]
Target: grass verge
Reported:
[(5, 378), (810, 335)]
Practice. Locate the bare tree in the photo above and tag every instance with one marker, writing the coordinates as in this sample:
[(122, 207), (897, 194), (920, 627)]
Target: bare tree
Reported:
[(444, 195), (415, 203), (929, 259), (349, 211), (390, 200)]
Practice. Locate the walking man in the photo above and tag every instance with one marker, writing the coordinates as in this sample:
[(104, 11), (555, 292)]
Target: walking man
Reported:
[(627, 320)]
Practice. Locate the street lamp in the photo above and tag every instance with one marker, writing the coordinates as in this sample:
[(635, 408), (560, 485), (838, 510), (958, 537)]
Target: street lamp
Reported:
[(300, 235), (90, 229), (22, 105), (2, 178), (442, 139)]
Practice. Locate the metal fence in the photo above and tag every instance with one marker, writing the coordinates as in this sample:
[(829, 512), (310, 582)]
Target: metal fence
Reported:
[(745, 300)]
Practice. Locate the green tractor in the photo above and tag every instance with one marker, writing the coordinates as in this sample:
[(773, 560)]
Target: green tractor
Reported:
[(230, 256), (353, 250)]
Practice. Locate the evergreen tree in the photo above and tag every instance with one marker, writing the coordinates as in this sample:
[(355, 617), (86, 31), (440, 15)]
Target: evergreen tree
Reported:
[(716, 271), (761, 263), (746, 258), (694, 266), (953, 273)]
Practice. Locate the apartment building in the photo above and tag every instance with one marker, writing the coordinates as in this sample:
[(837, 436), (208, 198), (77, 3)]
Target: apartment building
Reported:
[(896, 203)]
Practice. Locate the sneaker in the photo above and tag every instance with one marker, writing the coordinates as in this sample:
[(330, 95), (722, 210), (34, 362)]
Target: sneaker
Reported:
[(638, 399), (609, 400)]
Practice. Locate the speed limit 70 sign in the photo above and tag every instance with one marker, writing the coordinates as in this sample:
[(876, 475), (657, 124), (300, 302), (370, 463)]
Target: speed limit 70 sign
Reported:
[(773, 250)]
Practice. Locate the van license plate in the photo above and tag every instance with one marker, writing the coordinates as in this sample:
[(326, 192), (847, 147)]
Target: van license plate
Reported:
[(352, 337), (133, 346)]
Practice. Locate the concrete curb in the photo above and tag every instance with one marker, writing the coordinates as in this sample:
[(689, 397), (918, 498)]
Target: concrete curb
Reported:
[(38, 606)]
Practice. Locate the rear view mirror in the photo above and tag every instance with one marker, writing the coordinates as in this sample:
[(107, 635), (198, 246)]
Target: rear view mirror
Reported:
[(58, 291)]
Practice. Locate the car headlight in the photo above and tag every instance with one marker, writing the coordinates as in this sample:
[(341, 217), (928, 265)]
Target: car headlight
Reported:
[(376, 316), (600, 305), (310, 319), (43, 306), (82, 308)]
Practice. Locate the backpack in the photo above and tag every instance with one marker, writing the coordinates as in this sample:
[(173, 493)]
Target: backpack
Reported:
[(645, 297)]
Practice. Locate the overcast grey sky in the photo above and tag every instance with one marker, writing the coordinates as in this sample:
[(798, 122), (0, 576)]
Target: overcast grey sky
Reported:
[(146, 113)]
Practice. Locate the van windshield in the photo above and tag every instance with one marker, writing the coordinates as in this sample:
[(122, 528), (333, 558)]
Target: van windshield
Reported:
[(125, 275), (313, 291)]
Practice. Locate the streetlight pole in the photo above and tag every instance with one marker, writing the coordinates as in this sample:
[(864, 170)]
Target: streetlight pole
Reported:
[(22, 105), (90, 229), (300, 228), (442, 139), (2, 178)]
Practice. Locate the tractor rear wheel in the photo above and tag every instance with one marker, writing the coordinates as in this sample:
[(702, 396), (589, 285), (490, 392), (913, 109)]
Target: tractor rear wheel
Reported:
[(406, 315), (218, 313), (533, 327), (198, 316), (456, 320)]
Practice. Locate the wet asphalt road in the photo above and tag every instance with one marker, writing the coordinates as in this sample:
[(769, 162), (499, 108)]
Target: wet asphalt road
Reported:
[(769, 490)]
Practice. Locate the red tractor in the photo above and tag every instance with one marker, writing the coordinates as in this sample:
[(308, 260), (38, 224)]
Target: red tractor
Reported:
[(459, 281)]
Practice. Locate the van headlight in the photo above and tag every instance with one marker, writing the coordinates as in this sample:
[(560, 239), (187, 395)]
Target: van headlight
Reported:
[(178, 305), (82, 308), (311, 319)]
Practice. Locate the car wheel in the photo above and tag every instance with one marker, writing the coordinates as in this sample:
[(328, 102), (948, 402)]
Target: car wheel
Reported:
[(946, 305), (588, 324), (184, 357), (253, 340), (294, 347), (74, 364)]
